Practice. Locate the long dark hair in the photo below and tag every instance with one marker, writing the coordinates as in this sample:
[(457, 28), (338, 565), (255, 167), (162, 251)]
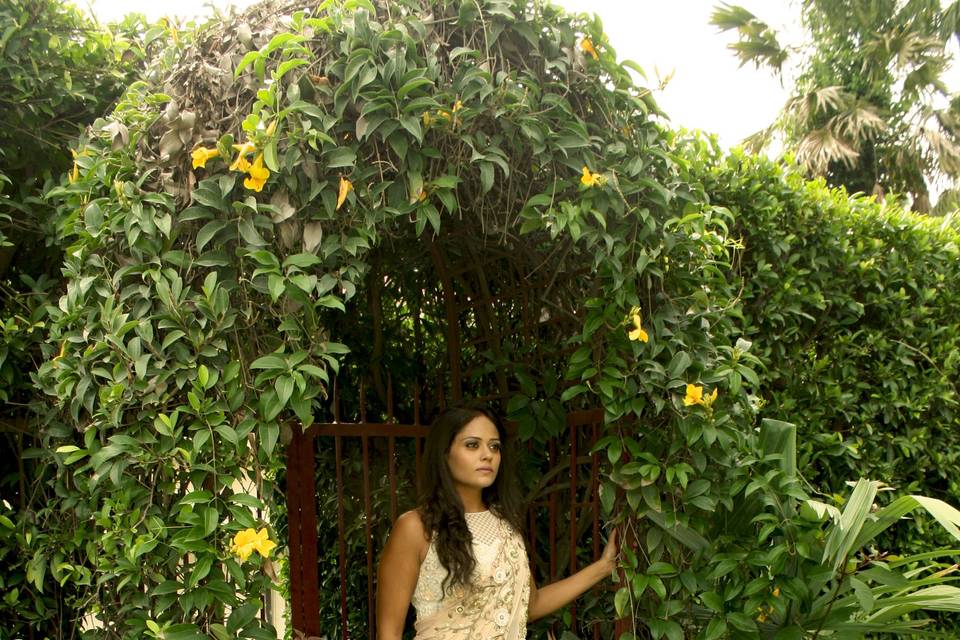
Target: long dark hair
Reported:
[(441, 508)]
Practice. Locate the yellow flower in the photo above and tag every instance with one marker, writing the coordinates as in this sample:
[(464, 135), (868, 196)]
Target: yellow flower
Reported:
[(457, 106), (776, 592), (426, 118), (442, 113), (637, 333), (423, 196), (591, 179), (345, 187), (75, 174), (243, 150), (271, 128), (258, 175), (694, 395), (586, 45), (708, 401), (248, 541), (201, 155), (264, 544)]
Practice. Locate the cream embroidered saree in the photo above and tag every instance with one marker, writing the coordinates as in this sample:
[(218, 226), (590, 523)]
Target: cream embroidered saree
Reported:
[(494, 606)]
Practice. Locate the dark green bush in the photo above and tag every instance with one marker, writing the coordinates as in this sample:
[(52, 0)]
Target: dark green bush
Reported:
[(853, 311)]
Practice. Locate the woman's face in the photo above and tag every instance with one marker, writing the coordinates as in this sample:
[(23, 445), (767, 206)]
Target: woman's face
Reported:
[(474, 456)]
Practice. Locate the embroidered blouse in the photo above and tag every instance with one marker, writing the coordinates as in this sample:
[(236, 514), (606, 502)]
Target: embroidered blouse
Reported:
[(494, 605)]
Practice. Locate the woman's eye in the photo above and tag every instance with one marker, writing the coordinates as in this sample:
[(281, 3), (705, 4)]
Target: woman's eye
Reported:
[(495, 447), (472, 445)]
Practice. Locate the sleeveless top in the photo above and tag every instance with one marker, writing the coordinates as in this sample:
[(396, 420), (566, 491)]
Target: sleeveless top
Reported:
[(494, 604)]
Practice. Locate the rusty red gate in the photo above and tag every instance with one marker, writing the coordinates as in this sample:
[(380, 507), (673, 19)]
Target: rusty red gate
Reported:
[(582, 430)]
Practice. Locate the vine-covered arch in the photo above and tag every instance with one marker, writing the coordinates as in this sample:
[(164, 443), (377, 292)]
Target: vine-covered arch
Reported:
[(238, 222)]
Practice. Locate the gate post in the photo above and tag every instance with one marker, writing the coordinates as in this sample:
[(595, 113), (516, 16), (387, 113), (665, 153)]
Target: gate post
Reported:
[(302, 526)]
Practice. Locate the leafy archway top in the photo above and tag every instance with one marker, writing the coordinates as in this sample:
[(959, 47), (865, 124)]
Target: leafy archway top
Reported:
[(274, 151)]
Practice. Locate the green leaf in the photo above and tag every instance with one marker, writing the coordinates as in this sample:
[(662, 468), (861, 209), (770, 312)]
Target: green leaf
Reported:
[(284, 388), (341, 157), (486, 177), (276, 285), (166, 587), (242, 616), (183, 631), (211, 518), (93, 219), (778, 438), (247, 59), (246, 500), (410, 86), (281, 40), (840, 541), (332, 302), (269, 432), (286, 66), (301, 260), (270, 156), (269, 362), (433, 216), (863, 593), (621, 601), (412, 125), (680, 362), (250, 234), (200, 570), (717, 628), (446, 182), (572, 392)]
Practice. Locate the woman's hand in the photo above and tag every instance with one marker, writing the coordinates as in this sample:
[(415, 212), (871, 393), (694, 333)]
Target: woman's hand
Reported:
[(610, 552), (552, 597)]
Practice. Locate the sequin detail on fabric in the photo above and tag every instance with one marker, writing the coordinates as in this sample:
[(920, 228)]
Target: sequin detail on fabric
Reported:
[(494, 606)]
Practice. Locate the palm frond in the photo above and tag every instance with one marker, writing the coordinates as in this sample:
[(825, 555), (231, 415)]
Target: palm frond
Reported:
[(924, 76), (916, 49), (950, 21), (804, 107), (759, 140), (727, 17), (859, 122), (822, 146), (757, 41), (946, 147)]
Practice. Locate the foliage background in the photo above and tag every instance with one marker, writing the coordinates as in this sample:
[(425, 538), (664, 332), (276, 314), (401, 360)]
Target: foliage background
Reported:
[(872, 110), (58, 71), (197, 315)]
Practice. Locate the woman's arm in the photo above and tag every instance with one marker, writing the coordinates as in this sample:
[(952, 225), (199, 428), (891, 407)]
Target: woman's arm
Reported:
[(397, 574), (555, 595)]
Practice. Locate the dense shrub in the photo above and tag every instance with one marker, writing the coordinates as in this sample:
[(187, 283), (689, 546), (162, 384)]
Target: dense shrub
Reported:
[(852, 308), (59, 71)]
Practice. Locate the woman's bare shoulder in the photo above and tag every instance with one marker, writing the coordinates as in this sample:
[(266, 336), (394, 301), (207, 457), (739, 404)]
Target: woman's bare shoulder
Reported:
[(409, 528), (409, 532)]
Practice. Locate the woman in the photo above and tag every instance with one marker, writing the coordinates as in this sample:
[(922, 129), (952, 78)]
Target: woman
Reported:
[(460, 557)]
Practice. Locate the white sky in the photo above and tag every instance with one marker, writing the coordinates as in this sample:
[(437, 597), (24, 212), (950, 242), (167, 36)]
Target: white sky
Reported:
[(708, 91)]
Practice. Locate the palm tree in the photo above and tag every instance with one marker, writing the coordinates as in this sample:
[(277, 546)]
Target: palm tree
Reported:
[(870, 110)]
